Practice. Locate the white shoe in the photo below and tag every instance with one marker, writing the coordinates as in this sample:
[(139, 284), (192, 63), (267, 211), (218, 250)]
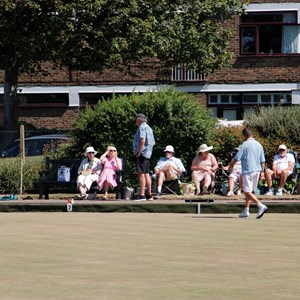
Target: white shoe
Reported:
[(229, 194), (261, 211), (278, 193), (244, 214), (270, 192)]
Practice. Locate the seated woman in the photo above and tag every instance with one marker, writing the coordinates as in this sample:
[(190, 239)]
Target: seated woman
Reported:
[(235, 177), (203, 168), (111, 165)]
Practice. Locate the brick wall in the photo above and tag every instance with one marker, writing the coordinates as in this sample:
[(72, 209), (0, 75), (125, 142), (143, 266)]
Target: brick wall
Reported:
[(51, 75), (49, 118)]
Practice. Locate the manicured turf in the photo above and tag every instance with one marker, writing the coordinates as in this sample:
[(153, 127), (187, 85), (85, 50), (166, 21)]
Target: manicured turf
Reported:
[(148, 256)]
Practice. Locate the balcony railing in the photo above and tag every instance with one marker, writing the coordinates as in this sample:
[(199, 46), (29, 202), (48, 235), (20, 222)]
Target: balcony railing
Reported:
[(182, 73)]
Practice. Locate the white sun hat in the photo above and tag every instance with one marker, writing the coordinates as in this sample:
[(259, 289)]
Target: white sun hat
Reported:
[(90, 149), (283, 147), (169, 148)]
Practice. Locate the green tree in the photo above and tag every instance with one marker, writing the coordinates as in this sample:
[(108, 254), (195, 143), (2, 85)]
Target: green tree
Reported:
[(176, 118), (94, 34)]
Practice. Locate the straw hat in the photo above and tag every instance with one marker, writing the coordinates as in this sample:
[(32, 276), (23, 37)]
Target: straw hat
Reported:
[(204, 148)]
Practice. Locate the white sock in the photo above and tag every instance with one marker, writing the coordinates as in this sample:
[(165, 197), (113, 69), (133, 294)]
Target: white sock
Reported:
[(159, 189), (247, 209), (259, 205), (280, 190)]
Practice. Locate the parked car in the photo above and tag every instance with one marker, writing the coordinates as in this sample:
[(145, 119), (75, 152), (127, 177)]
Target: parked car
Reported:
[(34, 145)]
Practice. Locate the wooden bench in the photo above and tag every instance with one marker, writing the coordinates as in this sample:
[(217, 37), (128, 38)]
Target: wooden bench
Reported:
[(49, 178)]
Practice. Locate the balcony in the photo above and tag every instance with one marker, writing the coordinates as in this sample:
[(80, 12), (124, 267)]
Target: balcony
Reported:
[(182, 73)]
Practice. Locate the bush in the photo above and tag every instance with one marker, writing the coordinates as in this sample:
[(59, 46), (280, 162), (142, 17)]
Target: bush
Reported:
[(278, 125), (225, 140), (176, 118), (10, 175)]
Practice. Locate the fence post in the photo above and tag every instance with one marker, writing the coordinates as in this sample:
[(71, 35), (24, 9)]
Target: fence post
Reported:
[(22, 155)]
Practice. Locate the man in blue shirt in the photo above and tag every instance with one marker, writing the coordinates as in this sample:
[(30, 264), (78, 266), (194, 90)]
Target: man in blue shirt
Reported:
[(167, 168), (143, 144), (252, 157)]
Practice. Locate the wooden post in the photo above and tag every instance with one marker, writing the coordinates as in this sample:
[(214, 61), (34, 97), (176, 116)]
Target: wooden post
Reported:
[(22, 156)]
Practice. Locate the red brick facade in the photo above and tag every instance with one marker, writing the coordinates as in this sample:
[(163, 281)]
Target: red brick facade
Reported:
[(256, 69)]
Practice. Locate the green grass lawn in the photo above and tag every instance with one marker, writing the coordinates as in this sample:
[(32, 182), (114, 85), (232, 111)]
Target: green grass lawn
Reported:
[(148, 256)]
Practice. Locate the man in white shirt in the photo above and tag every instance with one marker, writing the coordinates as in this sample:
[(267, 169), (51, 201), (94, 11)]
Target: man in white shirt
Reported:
[(167, 168), (282, 167)]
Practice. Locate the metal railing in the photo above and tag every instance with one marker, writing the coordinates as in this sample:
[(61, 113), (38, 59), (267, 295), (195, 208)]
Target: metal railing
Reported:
[(182, 73)]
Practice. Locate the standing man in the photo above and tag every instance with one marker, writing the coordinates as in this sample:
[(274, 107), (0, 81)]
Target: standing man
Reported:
[(142, 149), (252, 157)]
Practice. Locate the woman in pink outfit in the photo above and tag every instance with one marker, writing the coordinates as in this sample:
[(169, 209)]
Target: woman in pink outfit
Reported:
[(111, 165)]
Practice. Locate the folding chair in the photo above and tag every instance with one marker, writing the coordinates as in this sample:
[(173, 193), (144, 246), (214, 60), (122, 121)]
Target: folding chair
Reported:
[(170, 186), (291, 181)]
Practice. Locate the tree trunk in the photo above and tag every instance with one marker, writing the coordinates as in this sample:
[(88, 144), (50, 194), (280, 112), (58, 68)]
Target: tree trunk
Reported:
[(10, 99)]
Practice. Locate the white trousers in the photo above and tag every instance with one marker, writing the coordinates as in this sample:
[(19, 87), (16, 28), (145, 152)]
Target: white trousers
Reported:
[(86, 181)]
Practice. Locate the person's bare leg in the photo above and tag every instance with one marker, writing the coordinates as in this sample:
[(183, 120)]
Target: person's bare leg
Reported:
[(196, 182), (82, 190), (142, 180), (269, 174), (239, 191), (206, 183), (148, 183), (283, 178), (251, 197), (106, 188)]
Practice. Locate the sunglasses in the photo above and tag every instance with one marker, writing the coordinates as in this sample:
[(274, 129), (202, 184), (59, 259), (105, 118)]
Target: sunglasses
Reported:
[(91, 152), (112, 150), (281, 150), (168, 152)]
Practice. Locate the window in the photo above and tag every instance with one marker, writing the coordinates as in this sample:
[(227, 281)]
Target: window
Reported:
[(229, 114), (268, 33), (93, 98), (223, 99), (274, 98), (62, 98)]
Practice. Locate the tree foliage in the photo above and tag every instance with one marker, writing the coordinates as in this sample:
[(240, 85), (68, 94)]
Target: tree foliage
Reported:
[(176, 118), (94, 34)]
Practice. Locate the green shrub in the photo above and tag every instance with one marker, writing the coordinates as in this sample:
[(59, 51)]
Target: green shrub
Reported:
[(279, 125), (176, 118), (10, 174), (225, 140)]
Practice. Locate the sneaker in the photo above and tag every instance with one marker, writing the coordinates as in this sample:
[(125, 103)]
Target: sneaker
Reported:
[(140, 198), (229, 194), (270, 192), (244, 214), (278, 193), (157, 195), (261, 211), (149, 198)]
